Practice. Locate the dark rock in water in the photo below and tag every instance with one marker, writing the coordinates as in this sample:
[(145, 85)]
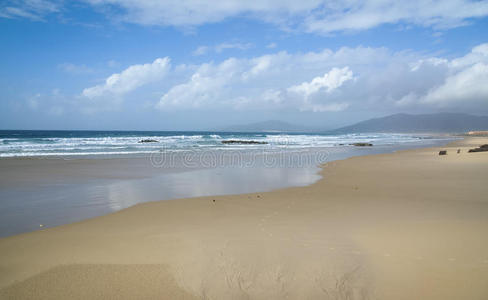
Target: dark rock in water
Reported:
[(243, 142), (362, 144), (148, 141), (443, 152), (482, 148)]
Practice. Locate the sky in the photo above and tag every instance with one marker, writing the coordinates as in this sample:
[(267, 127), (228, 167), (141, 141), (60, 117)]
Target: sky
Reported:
[(203, 65)]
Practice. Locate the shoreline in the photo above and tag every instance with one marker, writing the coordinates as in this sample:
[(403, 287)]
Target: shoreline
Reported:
[(122, 145), (54, 192), (387, 225)]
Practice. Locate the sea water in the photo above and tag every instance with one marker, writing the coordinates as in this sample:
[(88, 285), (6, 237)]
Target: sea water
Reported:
[(27, 143)]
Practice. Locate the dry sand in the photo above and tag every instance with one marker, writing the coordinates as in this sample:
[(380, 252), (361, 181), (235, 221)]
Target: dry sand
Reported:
[(407, 225)]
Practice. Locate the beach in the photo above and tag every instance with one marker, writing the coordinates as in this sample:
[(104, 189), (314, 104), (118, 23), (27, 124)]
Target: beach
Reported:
[(404, 225), (60, 177)]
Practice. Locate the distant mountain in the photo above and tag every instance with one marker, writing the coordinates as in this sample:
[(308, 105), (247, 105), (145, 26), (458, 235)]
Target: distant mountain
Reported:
[(266, 126), (398, 123), (406, 123)]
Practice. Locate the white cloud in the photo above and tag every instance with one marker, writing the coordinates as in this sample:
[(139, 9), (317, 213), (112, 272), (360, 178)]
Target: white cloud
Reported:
[(200, 91), (359, 15), (205, 87), (316, 81), (326, 84), (258, 65), (330, 81), (130, 79), (34, 10), (268, 81), (322, 16), (197, 12), (358, 78), (470, 84), (433, 61), (202, 50), (477, 54), (461, 83), (319, 16)]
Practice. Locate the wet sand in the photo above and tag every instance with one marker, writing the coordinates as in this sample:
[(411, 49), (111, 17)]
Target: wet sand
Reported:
[(54, 191), (406, 225)]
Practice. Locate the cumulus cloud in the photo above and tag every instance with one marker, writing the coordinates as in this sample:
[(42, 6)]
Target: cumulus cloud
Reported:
[(200, 91), (130, 79), (329, 82), (477, 54), (470, 84), (358, 78), (269, 81), (462, 81), (206, 86), (322, 16)]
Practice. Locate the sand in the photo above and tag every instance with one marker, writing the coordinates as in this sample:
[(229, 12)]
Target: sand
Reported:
[(406, 225)]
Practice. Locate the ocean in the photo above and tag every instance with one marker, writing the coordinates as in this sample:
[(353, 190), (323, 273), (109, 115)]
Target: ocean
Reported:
[(27, 143)]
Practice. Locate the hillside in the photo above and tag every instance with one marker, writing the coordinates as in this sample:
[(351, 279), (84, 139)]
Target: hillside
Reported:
[(441, 122)]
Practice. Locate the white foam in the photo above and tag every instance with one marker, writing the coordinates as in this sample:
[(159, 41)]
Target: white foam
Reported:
[(121, 145)]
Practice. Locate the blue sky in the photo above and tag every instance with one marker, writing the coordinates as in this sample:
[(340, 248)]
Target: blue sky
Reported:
[(165, 65)]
